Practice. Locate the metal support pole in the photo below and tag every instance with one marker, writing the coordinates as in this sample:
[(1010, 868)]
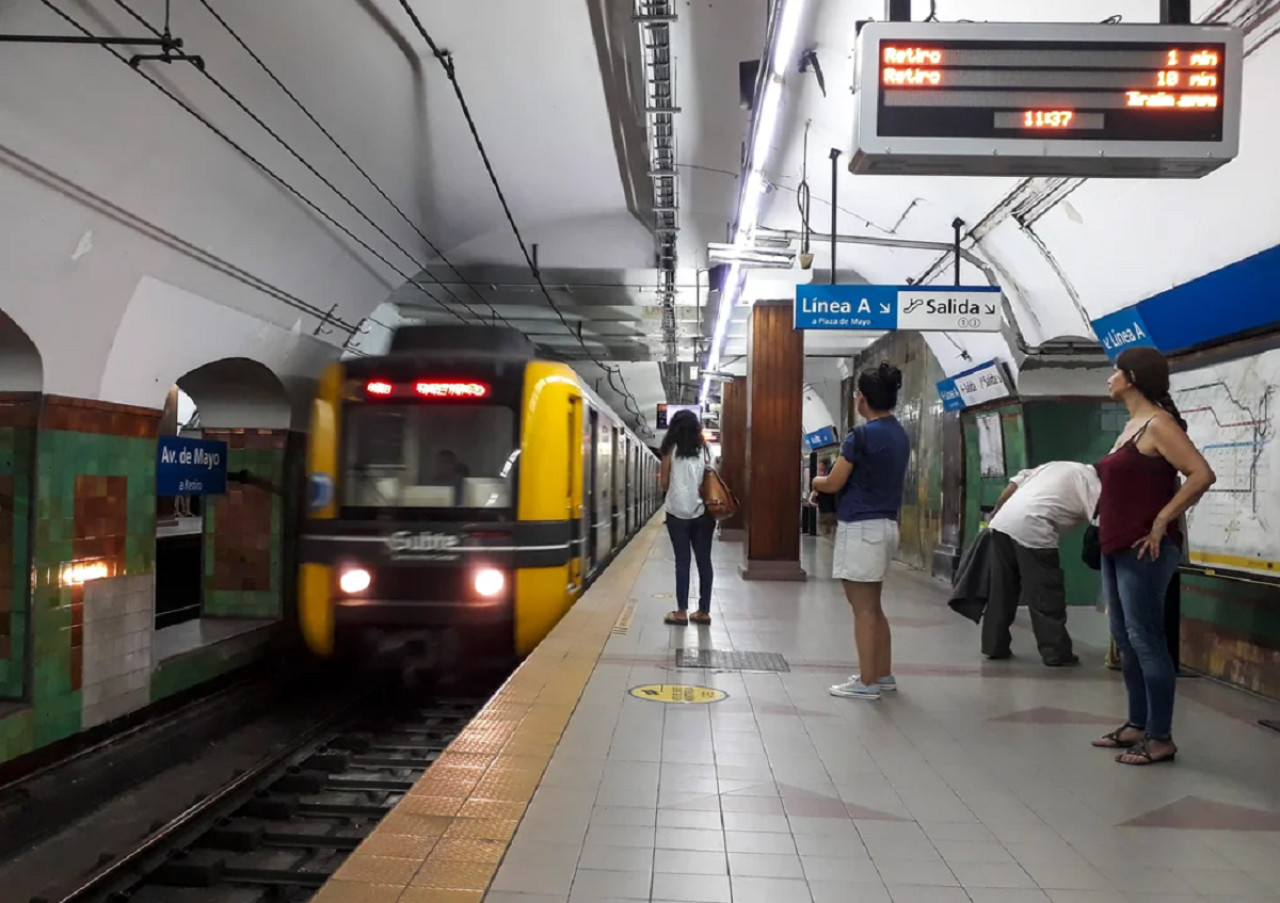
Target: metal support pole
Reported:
[(1175, 12), (898, 10), (957, 224), (835, 209)]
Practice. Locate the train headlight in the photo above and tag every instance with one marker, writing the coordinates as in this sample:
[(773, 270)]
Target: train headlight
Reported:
[(489, 582), (354, 581)]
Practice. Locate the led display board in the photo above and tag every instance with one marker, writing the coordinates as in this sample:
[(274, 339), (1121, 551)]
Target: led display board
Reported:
[(1135, 101), (667, 411)]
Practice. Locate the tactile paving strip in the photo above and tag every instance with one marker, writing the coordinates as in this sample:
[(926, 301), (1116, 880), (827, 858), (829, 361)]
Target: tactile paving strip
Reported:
[(730, 660)]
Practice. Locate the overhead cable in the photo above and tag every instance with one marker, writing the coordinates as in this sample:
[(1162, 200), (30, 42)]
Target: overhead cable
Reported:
[(242, 151), (446, 61), (360, 169), (288, 147)]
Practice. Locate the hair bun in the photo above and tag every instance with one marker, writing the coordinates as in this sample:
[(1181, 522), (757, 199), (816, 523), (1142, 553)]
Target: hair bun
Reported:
[(891, 375)]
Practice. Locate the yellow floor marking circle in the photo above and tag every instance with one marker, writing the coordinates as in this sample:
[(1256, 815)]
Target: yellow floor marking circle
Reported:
[(678, 694)]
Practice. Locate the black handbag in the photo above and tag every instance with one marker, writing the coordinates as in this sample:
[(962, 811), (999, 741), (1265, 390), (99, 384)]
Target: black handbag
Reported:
[(1091, 547)]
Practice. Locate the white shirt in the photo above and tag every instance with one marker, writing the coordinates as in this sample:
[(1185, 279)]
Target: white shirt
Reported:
[(1049, 499), (684, 490)]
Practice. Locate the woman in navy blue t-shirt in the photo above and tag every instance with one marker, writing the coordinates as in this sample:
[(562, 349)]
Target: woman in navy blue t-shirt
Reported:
[(867, 481)]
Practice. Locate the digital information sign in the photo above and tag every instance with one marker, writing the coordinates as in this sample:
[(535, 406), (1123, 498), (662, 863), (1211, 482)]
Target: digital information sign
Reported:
[(667, 411), (1052, 99)]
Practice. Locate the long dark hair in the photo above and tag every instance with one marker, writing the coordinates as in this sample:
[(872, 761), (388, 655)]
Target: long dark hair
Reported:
[(880, 386), (1147, 370), (684, 434)]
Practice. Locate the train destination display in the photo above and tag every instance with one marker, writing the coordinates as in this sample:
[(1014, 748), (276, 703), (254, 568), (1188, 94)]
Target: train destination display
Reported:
[(1074, 99)]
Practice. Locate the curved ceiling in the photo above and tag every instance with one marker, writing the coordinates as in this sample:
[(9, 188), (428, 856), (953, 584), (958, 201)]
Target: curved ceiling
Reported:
[(1066, 251), (122, 187)]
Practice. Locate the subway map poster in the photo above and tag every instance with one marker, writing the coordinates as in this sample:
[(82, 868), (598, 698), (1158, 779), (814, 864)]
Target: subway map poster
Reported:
[(1232, 413)]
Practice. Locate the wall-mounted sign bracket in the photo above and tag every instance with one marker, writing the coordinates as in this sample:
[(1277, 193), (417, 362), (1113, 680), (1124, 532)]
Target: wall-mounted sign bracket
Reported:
[(170, 47)]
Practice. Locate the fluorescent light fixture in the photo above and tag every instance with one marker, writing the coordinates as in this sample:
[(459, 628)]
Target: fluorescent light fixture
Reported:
[(766, 123), (782, 52)]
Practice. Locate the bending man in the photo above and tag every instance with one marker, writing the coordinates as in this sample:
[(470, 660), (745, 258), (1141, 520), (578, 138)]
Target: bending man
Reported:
[(1031, 515)]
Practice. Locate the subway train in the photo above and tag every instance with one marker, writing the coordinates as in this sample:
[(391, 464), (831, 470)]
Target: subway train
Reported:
[(462, 494)]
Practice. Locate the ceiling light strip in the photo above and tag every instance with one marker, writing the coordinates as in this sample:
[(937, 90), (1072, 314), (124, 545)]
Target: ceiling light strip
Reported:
[(784, 33)]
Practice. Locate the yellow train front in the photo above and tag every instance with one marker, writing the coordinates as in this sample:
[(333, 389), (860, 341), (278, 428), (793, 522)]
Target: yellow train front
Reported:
[(462, 493)]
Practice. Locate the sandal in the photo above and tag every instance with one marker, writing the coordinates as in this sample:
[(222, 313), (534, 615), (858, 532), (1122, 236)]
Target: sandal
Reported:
[(1141, 753), (677, 618), (1113, 741), (700, 617)]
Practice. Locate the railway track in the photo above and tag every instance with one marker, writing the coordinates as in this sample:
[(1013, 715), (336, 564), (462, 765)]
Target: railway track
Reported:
[(280, 829)]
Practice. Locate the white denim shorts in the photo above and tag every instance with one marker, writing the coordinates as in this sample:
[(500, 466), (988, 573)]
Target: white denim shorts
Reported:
[(863, 550)]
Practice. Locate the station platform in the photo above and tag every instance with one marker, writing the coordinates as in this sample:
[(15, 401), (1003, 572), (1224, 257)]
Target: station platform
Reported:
[(974, 782)]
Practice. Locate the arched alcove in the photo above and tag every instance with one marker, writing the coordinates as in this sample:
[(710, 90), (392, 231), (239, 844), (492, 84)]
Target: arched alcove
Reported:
[(238, 393), (21, 380), (20, 366), (214, 557)]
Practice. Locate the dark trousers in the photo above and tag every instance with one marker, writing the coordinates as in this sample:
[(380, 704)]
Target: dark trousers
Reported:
[(1032, 577), (697, 535)]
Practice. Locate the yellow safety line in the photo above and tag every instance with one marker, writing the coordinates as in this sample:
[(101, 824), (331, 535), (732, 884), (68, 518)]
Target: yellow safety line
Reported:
[(444, 841), (1236, 561)]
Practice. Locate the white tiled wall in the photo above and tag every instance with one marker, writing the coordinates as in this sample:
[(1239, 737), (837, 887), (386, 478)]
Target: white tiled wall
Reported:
[(119, 623)]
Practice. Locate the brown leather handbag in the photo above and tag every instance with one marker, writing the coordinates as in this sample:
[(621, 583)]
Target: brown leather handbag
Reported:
[(717, 497)]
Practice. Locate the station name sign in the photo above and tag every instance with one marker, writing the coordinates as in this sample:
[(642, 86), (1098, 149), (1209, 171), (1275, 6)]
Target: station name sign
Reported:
[(1047, 99), (892, 307), (190, 466)]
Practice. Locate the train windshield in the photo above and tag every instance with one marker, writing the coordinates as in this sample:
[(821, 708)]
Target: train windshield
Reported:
[(429, 456)]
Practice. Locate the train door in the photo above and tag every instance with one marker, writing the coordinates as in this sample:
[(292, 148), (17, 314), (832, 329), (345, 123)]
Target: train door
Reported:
[(630, 490), (575, 502), (619, 470), (593, 491), (604, 489)]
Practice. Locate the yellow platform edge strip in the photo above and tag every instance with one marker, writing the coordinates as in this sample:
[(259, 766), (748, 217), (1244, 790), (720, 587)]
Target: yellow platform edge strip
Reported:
[(444, 841), (1236, 562)]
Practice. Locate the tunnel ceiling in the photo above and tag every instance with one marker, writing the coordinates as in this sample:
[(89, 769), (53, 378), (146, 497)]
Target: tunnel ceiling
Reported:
[(567, 99)]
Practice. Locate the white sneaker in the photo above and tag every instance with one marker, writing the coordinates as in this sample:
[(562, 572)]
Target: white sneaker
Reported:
[(887, 683), (855, 689)]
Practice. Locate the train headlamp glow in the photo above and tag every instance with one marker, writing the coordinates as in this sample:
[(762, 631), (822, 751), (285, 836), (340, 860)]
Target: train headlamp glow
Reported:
[(489, 582), (354, 580)]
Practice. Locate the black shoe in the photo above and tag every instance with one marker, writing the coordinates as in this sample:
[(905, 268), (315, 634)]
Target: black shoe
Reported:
[(997, 656), (1065, 662)]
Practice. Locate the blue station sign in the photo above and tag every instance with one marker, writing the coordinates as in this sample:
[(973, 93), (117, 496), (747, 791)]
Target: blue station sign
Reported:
[(823, 438), (975, 386), (1122, 329), (884, 308), (190, 466)]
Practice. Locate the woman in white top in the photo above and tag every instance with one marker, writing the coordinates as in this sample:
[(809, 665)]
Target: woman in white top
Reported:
[(684, 461)]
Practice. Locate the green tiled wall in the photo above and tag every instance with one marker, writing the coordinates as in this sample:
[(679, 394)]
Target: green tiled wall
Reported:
[(1073, 431), (51, 708), (17, 448), (64, 455), (262, 464), (983, 492)]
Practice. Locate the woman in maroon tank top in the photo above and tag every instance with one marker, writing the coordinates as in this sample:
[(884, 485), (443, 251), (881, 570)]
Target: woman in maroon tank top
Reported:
[(1141, 542)]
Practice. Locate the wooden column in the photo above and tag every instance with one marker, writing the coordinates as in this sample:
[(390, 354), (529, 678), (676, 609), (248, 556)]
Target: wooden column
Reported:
[(775, 385), (733, 454)]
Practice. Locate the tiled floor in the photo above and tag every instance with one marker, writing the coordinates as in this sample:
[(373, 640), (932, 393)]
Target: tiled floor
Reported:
[(975, 782)]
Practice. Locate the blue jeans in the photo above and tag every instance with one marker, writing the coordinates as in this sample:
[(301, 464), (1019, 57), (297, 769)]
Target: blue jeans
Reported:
[(696, 533), (1136, 593)]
